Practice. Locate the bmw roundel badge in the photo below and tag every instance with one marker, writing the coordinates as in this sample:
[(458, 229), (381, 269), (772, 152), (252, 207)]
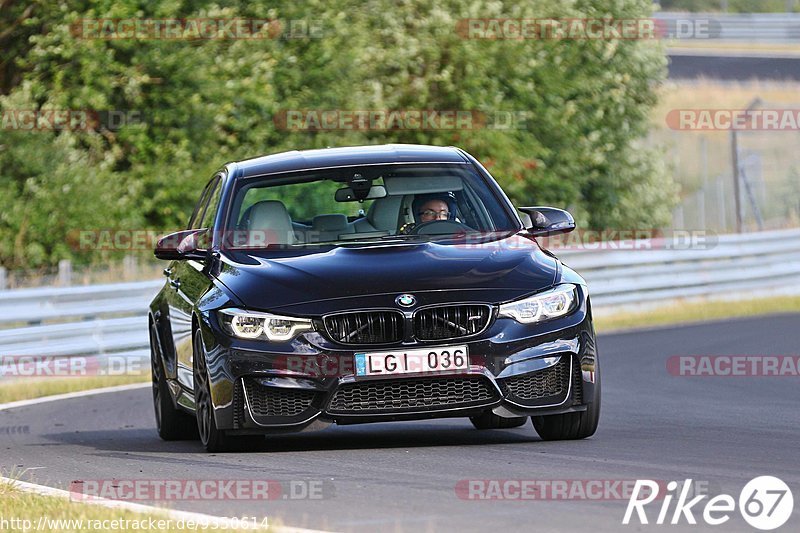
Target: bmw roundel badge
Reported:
[(405, 300)]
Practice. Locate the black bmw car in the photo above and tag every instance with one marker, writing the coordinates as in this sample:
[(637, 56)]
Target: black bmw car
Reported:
[(367, 284)]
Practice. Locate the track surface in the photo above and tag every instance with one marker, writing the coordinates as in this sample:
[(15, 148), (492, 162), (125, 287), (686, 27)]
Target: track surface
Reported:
[(402, 476), (733, 68)]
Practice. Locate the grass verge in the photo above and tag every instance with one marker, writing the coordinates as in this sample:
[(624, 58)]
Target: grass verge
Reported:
[(700, 159), (690, 312), (34, 512), (731, 47)]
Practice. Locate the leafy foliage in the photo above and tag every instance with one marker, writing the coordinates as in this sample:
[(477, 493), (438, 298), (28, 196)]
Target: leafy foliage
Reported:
[(581, 105)]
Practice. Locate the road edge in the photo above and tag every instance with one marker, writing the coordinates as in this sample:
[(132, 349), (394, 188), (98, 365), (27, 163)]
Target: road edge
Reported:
[(69, 395), (44, 490)]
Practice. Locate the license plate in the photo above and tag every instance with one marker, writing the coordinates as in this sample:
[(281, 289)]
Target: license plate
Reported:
[(418, 361)]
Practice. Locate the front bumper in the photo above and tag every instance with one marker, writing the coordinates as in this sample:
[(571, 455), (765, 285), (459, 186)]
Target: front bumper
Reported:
[(515, 370)]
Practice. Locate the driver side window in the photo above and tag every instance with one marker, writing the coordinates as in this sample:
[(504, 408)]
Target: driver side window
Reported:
[(213, 204), (197, 215)]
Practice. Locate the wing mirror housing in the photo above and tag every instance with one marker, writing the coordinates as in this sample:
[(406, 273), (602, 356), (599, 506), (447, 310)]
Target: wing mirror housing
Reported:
[(548, 220), (181, 245)]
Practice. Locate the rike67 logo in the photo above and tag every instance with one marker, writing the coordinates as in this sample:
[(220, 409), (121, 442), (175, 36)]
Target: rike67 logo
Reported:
[(765, 503)]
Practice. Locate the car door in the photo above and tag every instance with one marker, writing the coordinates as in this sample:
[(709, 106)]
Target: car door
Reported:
[(189, 281)]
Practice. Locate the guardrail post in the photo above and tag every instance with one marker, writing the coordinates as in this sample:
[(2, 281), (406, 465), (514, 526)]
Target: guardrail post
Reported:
[(65, 273), (737, 195), (3, 279), (129, 267)]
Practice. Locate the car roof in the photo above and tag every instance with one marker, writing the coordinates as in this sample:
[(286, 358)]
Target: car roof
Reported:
[(347, 156)]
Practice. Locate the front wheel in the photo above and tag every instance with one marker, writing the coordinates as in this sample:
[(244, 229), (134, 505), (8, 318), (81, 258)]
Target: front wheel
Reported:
[(171, 423), (213, 438), (571, 426)]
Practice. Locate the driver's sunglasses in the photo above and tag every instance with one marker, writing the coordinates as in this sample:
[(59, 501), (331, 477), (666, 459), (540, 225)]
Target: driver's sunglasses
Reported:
[(430, 213)]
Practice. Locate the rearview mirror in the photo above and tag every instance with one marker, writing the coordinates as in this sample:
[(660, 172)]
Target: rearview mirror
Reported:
[(181, 245), (347, 194), (548, 220)]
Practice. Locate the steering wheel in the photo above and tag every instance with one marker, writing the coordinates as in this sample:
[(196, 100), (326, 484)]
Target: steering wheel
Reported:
[(439, 227)]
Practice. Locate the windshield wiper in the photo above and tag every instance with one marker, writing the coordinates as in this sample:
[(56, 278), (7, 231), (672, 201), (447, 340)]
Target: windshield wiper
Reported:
[(407, 237), (383, 240)]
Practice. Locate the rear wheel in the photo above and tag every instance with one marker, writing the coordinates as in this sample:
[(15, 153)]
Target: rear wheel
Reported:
[(570, 426), (171, 423), (213, 438), (489, 420)]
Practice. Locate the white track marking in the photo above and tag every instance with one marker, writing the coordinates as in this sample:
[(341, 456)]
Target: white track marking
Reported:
[(68, 395), (144, 509), (117, 504)]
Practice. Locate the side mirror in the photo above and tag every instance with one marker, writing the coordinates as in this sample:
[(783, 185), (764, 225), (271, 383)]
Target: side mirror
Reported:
[(181, 245), (548, 220)]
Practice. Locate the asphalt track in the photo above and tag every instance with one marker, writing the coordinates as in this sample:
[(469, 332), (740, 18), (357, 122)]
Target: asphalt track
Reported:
[(733, 67), (721, 431)]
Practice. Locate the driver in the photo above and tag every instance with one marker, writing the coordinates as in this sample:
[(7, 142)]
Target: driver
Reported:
[(431, 207)]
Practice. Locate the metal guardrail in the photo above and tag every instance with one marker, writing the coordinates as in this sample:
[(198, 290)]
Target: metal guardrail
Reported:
[(735, 264), (108, 319), (742, 27), (70, 303)]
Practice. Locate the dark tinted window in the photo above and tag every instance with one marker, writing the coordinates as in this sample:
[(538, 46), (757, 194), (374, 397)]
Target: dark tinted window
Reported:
[(302, 208), (197, 214), (212, 206)]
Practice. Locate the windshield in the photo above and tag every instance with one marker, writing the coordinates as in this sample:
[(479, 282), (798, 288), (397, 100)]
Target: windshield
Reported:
[(357, 204)]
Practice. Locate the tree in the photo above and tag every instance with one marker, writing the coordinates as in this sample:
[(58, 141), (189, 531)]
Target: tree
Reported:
[(580, 108)]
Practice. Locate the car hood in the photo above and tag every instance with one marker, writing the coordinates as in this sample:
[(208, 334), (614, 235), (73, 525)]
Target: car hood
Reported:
[(312, 281)]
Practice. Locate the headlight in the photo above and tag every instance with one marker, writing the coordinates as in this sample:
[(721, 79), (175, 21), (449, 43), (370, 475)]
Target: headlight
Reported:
[(254, 325), (546, 305)]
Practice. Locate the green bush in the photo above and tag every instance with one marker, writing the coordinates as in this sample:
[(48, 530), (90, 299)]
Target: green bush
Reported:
[(585, 105)]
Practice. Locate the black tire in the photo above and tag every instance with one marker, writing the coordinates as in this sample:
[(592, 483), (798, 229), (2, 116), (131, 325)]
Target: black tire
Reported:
[(171, 423), (489, 420), (571, 426), (213, 439)]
